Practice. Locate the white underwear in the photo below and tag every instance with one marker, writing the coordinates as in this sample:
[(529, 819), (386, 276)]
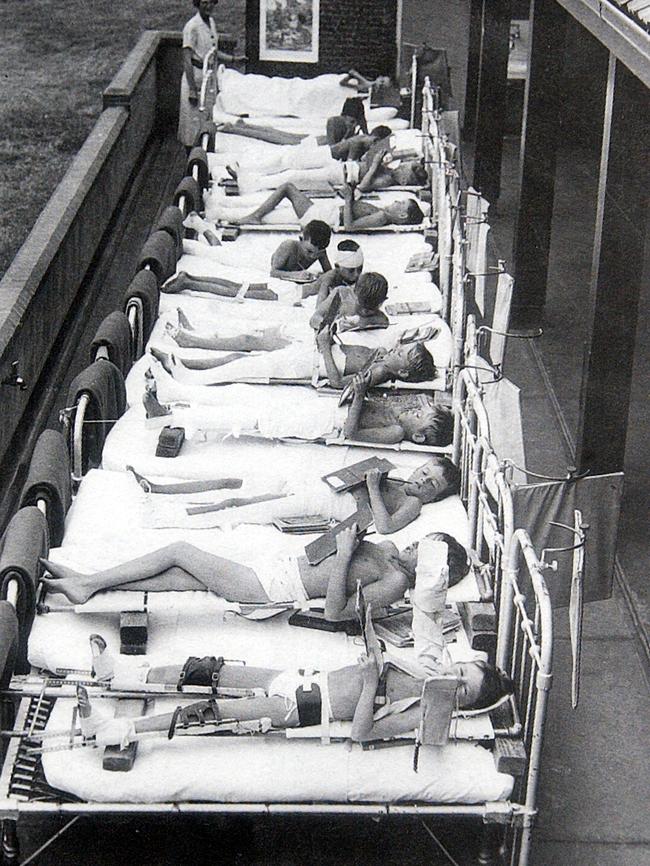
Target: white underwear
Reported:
[(280, 578), (325, 209), (286, 684)]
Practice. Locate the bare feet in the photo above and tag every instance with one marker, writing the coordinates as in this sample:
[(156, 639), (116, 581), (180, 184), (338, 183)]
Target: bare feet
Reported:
[(183, 321), (142, 481), (182, 338), (67, 581), (177, 284), (103, 664), (168, 361), (232, 170), (152, 405)]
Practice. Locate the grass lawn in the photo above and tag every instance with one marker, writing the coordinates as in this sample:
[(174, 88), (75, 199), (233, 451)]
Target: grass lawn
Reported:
[(56, 57)]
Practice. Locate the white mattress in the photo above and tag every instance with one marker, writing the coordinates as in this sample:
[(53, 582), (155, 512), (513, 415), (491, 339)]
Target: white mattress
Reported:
[(131, 508), (200, 259), (236, 770)]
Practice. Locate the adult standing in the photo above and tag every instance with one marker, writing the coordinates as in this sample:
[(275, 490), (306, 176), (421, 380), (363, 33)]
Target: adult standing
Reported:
[(199, 37)]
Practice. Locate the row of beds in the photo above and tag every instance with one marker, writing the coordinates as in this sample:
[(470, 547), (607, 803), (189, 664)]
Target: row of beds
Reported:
[(81, 497)]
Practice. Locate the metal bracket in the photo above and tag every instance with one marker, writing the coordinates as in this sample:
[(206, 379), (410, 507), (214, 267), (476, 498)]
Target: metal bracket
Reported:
[(14, 379)]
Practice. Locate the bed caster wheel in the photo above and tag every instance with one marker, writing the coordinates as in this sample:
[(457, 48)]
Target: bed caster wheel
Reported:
[(489, 853), (10, 844)]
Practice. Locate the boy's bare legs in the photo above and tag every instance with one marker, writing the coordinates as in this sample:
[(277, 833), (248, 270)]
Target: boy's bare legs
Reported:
[(186, 486), (174, 365), (299, 201), (227, 579), (268, 340)]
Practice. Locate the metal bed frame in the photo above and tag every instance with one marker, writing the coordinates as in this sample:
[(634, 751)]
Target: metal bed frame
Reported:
[(524, 630), (524, 650)]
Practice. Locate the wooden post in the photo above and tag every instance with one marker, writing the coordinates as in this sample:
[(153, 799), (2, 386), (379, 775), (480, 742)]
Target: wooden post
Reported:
[(491, 97), (621, 239), (539, 140), (473, 69)]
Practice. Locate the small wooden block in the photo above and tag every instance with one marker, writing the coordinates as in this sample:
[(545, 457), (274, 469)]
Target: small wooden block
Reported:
[(479, 620), (133, 632), (431, 237), (510, 756), (121, 760), (230, 233), (231, 189)]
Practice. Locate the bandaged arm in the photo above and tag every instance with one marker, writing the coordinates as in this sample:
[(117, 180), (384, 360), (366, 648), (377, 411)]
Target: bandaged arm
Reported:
[(428, 599)]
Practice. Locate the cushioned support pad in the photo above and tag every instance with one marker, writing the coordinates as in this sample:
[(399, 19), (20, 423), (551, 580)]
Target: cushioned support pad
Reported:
[(25, 540), (48, 479), (210, 128), (189, 188), (104, 384), (144, 287), (159, 253), (198, 158), (171, 221), (115, 335)]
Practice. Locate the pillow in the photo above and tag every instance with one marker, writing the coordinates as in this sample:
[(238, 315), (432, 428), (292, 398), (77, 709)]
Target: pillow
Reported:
[(379, 115)]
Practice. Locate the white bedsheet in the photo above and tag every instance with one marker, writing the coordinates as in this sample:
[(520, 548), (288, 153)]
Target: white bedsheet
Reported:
[(200, 259), (240, 770), (322, 96)]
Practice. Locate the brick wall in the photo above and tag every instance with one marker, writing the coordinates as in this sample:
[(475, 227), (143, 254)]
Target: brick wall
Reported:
[(358, 34)]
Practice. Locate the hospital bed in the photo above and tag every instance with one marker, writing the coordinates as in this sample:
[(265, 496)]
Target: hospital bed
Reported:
[(461, 781)]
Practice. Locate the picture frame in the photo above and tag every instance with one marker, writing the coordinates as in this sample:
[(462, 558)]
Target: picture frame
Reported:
[(289, 30)]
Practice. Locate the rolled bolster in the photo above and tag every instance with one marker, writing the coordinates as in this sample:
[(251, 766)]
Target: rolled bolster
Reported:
[(189, 188), (171, 221), (198, 158), (201, 672), (211, 130), (159, 252)]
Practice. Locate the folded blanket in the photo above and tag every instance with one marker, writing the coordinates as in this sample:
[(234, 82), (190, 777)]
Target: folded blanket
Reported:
[(104, 383), (171, 221), (159, 252), (49, 479), (24, 540), (144, 288), (8, 642), (115, 334)]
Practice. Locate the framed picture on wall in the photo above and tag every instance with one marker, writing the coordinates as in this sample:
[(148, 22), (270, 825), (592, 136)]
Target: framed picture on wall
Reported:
[(289, 30)]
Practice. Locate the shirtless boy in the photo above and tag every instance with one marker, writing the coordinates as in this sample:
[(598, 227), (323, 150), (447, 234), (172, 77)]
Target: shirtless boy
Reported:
[(351, 692), (384, 572), (351, 216)]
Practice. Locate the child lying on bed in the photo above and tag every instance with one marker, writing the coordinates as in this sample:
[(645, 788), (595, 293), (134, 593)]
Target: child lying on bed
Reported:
[(351, 693), (352, 215), (309, 165), (406, 362), (305, 416), (359, 310), (395, 505), (384, 572)]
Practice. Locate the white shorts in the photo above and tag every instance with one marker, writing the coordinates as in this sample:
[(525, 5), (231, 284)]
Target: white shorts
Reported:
[(326, 210), (286, 684), (280, 578)]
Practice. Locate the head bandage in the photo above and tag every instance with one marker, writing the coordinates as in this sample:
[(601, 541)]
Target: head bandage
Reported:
[(349, 258), (431, 576)]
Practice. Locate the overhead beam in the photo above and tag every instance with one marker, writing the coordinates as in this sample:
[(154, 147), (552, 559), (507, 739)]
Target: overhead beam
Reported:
[(621, 242), (626, 40)]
